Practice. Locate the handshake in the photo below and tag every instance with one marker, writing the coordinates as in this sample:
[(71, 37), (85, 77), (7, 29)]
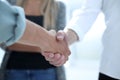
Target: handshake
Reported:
[(56, 49), (53, 46)]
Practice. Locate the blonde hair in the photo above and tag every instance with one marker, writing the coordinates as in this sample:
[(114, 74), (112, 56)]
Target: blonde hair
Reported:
[(49, 9)]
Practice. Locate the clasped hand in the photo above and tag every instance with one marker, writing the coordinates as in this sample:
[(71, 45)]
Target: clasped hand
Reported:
[(58, 51)]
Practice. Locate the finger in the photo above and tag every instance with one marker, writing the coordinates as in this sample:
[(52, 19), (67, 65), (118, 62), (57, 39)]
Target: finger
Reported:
[(57, 58), (45, 53), (59, 62), (54, 57), (50, 57)]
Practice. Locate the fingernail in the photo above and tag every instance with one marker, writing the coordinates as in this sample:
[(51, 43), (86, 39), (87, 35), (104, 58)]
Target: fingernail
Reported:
[(51, 55)]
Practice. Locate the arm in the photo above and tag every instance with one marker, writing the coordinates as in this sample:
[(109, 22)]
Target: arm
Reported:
[(14, 30), (38, 36), (83, 18), (79, 24)]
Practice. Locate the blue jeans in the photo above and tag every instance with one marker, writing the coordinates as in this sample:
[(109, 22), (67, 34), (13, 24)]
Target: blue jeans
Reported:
[(48, 74)]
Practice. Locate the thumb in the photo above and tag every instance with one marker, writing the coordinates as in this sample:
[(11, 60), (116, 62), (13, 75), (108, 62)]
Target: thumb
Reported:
[(60, 35)]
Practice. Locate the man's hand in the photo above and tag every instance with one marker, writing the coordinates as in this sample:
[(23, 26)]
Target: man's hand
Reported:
[(57, 59), (60, 46)]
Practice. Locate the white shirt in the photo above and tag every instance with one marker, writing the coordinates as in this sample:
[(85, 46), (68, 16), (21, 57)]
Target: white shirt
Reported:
[(84, 18)]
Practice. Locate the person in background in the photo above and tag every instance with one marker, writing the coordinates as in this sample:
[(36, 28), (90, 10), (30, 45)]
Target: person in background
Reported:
[(80, 24), (24, 65)]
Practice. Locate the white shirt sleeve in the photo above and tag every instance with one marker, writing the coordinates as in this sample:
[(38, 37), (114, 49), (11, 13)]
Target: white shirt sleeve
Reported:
[(84, 17)]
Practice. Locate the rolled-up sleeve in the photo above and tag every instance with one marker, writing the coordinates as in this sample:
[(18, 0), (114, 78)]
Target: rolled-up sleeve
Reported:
[(12, 23)]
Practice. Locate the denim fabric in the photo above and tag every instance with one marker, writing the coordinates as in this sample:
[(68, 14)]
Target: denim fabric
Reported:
[(48, 74)]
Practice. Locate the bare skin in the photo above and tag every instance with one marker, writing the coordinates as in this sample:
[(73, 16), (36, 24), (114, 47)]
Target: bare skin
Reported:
[(29, 10), (40, 40), (60, 59), (37, 37)]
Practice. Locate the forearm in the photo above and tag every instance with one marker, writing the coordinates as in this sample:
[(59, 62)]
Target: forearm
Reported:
[(35, 35), (25, 48)]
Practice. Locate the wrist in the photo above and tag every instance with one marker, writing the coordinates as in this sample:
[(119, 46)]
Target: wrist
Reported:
[(71, 36)]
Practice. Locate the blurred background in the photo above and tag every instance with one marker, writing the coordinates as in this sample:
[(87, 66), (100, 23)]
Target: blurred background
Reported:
[(83, 63)]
